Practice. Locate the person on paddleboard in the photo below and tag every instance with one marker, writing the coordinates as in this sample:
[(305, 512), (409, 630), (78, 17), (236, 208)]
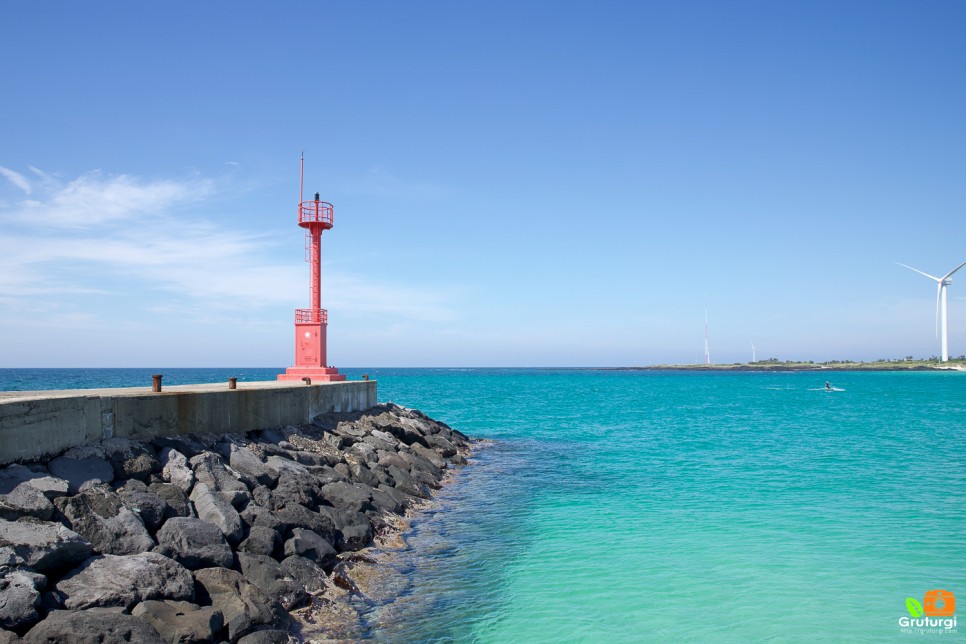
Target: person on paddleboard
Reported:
[(828, 387)]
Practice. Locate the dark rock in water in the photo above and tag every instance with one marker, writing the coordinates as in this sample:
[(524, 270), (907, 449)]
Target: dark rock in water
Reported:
[(301, 517), (306, 572), (178, 621), (194, 543), (81, 472), (215, 509), (442, 446), (353, 529), (402, 497), (176, 501), (352, 497), (305, 543), (431, 456), (388, 502), (20, 598), (96, 626), (270, 576), (355, 537), (250, 468), (425, 480), (404, 434), (176, 470), (121, 581), (266, 637), (261, 541), (405, 483), (42, 545), (99, 515), (246, 608), (342, 577), (129, 459)]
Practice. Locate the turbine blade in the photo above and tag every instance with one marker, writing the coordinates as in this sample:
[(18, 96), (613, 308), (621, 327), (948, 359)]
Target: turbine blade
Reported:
[(949, 274), (932, 277)]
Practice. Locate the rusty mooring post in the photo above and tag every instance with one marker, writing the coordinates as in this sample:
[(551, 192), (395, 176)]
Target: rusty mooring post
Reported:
[(307, 380), (156, 382), (232, 382), (365, 376)]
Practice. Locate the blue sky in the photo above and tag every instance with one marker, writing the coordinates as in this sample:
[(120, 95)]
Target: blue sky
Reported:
[(518, 184)]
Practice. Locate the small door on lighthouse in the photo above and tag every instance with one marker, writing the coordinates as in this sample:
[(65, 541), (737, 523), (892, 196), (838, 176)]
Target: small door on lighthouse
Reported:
[(309, 354), (308, 345)]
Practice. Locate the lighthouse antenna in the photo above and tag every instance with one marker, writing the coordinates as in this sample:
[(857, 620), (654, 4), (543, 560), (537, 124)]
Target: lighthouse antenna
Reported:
[(301, 173)]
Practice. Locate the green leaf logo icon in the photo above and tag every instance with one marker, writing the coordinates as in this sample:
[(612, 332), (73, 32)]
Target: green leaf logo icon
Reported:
[(914, 607)]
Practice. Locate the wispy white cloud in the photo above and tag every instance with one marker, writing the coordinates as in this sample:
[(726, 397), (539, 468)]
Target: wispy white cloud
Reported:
[(96, 198), (16, 179), (180, 259), (44, 177)]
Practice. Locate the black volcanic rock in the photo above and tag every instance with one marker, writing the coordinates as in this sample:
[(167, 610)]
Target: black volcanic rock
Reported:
[(194, 543), (226, 507), (112, 580), (96, 626)]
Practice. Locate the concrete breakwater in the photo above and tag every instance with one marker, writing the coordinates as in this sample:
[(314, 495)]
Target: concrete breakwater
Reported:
[(34, 424), (210, 536)]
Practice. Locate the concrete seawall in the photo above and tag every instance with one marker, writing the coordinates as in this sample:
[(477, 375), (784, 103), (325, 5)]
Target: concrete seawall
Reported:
[(34, 424)]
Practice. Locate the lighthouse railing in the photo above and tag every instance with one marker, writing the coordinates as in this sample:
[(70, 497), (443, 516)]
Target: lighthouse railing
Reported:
[(311, 316), (315, 211)]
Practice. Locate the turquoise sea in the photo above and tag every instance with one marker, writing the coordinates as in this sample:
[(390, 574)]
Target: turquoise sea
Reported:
[(619, 506)]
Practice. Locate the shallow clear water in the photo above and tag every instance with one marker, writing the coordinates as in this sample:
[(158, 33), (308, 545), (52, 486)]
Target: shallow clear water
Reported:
[(651, 506)]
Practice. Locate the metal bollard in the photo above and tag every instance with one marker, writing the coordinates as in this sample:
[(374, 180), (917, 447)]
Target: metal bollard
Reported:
[(365, 376), (232, 382), (156, 382), (307, 380)]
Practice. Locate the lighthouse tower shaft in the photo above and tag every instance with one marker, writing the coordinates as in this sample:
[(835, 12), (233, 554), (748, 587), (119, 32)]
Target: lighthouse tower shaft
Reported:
[(311, 323)]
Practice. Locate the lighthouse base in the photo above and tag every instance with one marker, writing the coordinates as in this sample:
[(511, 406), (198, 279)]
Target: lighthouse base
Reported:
[(315, 374)]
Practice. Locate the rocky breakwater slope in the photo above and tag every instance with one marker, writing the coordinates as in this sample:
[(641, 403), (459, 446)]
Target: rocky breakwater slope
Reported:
[(205, 538)]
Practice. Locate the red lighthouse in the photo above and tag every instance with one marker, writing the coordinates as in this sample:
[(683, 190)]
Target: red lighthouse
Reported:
[(310, 324)]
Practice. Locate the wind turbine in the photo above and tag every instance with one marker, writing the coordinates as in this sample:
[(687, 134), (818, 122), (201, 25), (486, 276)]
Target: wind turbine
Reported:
[(753, 359), (707, 347), (943, 282)]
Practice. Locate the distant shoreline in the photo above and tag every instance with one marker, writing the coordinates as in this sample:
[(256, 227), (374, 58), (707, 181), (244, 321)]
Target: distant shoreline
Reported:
[(783, 366)]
